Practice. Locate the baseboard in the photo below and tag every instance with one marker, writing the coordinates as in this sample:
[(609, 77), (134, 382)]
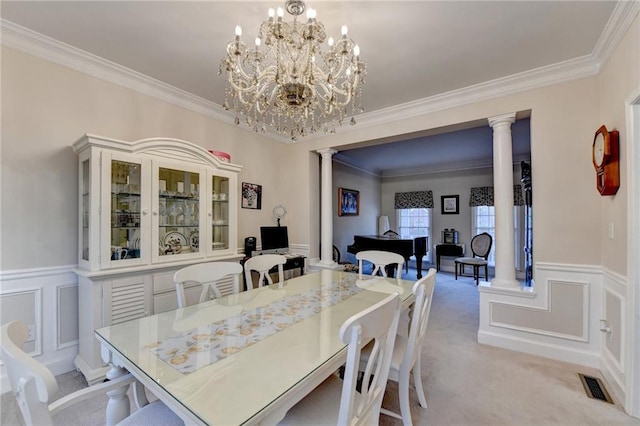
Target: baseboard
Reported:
[(545, 350), (613, 377)]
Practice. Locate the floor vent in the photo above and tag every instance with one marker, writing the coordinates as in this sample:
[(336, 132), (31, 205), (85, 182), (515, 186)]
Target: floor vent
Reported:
[(595, 389)]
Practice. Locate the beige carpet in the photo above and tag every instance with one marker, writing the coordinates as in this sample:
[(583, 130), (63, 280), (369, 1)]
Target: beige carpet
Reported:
[(466, 383)]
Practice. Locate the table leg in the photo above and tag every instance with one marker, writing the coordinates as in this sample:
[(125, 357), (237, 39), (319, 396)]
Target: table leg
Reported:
[(118, 406)]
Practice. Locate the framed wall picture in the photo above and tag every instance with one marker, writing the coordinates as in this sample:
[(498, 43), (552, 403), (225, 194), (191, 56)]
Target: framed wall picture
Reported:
[(450, 204), (251, 196), (348, 202)]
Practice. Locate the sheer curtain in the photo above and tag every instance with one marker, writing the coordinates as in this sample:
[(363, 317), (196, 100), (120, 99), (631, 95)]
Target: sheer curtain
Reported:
[(413, 215)]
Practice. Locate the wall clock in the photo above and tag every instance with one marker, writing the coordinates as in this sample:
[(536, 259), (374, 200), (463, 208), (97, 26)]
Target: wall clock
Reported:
[(606, 160)]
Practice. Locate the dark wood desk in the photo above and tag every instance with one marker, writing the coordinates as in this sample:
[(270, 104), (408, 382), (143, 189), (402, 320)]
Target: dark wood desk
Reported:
[(448, 250), (293, 262)]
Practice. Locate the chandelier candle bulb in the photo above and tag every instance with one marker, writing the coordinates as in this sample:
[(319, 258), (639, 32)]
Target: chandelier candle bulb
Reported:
[(292, 81), (311, 14)]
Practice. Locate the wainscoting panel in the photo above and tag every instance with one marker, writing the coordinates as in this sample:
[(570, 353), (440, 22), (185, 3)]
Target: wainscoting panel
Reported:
[(558, 320), (614, 365), (48, 299), (67, 316), (25, 306)]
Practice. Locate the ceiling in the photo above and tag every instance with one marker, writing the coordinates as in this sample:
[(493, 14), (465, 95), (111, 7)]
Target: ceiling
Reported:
[(415, 51)]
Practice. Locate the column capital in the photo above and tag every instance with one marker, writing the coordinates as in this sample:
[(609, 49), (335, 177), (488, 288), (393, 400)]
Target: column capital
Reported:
[(326, 152), (502, 119)]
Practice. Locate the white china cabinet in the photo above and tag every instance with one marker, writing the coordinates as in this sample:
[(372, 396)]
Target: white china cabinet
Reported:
[(146, 209)]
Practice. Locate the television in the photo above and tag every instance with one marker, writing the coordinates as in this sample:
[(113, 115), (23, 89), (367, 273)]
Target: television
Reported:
[(275, 239)]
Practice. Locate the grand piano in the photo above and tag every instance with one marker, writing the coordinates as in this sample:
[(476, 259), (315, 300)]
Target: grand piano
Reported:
[(404, 247)]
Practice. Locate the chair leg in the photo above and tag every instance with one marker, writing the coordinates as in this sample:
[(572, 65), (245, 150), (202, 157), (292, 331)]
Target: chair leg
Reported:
[(486, 272), (456, 269), (417, 379), (476, 274), (403, 391)]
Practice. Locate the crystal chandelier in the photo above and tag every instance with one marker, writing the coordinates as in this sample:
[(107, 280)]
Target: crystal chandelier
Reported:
[(289, 80)]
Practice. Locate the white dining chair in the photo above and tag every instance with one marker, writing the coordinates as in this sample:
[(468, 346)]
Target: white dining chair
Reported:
[(337, 402), (206, 274), (35, 387), (263, 264), (407, 351), (380, 260)]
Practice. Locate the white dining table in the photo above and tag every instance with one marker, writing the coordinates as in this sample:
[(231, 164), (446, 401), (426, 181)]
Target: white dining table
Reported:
[(246, 358)]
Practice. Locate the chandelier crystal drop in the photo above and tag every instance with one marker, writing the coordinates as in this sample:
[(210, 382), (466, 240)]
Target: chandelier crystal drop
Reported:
[(289, 80)]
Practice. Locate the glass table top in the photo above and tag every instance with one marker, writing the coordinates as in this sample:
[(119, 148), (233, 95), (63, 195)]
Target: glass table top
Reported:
[(228, 359)]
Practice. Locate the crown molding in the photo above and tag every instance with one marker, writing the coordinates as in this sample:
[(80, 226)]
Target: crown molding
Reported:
[(589, 65), (448, 167), (346, 163), (47, 48), (540, 77), (35, 44), (619, 22)]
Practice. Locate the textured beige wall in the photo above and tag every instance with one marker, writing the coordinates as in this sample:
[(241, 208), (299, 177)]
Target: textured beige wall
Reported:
[(619, 79), (450, 183), (563, 116), (47, 107), (345, 227)]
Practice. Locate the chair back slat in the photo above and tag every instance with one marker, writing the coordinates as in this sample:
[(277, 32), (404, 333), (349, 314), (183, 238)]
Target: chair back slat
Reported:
[(420, 318), (380, 260), (378, 323), (262, 264), (206, 274)]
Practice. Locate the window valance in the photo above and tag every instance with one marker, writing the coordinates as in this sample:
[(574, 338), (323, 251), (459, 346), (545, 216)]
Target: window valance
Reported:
[(483, 196), (414, 200)]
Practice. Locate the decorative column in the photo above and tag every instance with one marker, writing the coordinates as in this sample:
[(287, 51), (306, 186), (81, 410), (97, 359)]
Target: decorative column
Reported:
[(505, 273), (326, 208)]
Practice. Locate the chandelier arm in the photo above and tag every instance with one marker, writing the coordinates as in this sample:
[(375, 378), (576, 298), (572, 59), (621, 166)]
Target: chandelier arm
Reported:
[(291, 83)]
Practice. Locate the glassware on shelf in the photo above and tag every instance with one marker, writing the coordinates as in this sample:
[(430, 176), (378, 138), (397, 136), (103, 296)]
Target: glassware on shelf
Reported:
[(196, 213), (189, 213), (180, 216), (162, 211), (173, 212)]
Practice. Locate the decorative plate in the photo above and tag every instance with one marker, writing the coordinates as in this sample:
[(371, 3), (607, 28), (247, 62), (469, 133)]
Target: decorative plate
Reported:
[(194, 240), (174, 242)]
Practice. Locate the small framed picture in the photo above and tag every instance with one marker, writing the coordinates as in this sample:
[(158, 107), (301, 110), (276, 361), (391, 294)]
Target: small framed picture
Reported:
[(251, 196), (450, 204), (348, 202)]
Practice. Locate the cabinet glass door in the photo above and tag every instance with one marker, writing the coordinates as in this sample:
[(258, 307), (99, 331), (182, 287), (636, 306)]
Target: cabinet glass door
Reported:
[(126, 210), (220, 213), (86, 208), (178, 212)]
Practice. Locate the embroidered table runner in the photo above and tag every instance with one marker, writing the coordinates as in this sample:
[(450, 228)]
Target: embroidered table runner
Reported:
[(196, 348)]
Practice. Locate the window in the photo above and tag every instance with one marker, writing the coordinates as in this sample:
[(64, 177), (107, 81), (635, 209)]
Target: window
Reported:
[(413, 223), (484, 220)]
